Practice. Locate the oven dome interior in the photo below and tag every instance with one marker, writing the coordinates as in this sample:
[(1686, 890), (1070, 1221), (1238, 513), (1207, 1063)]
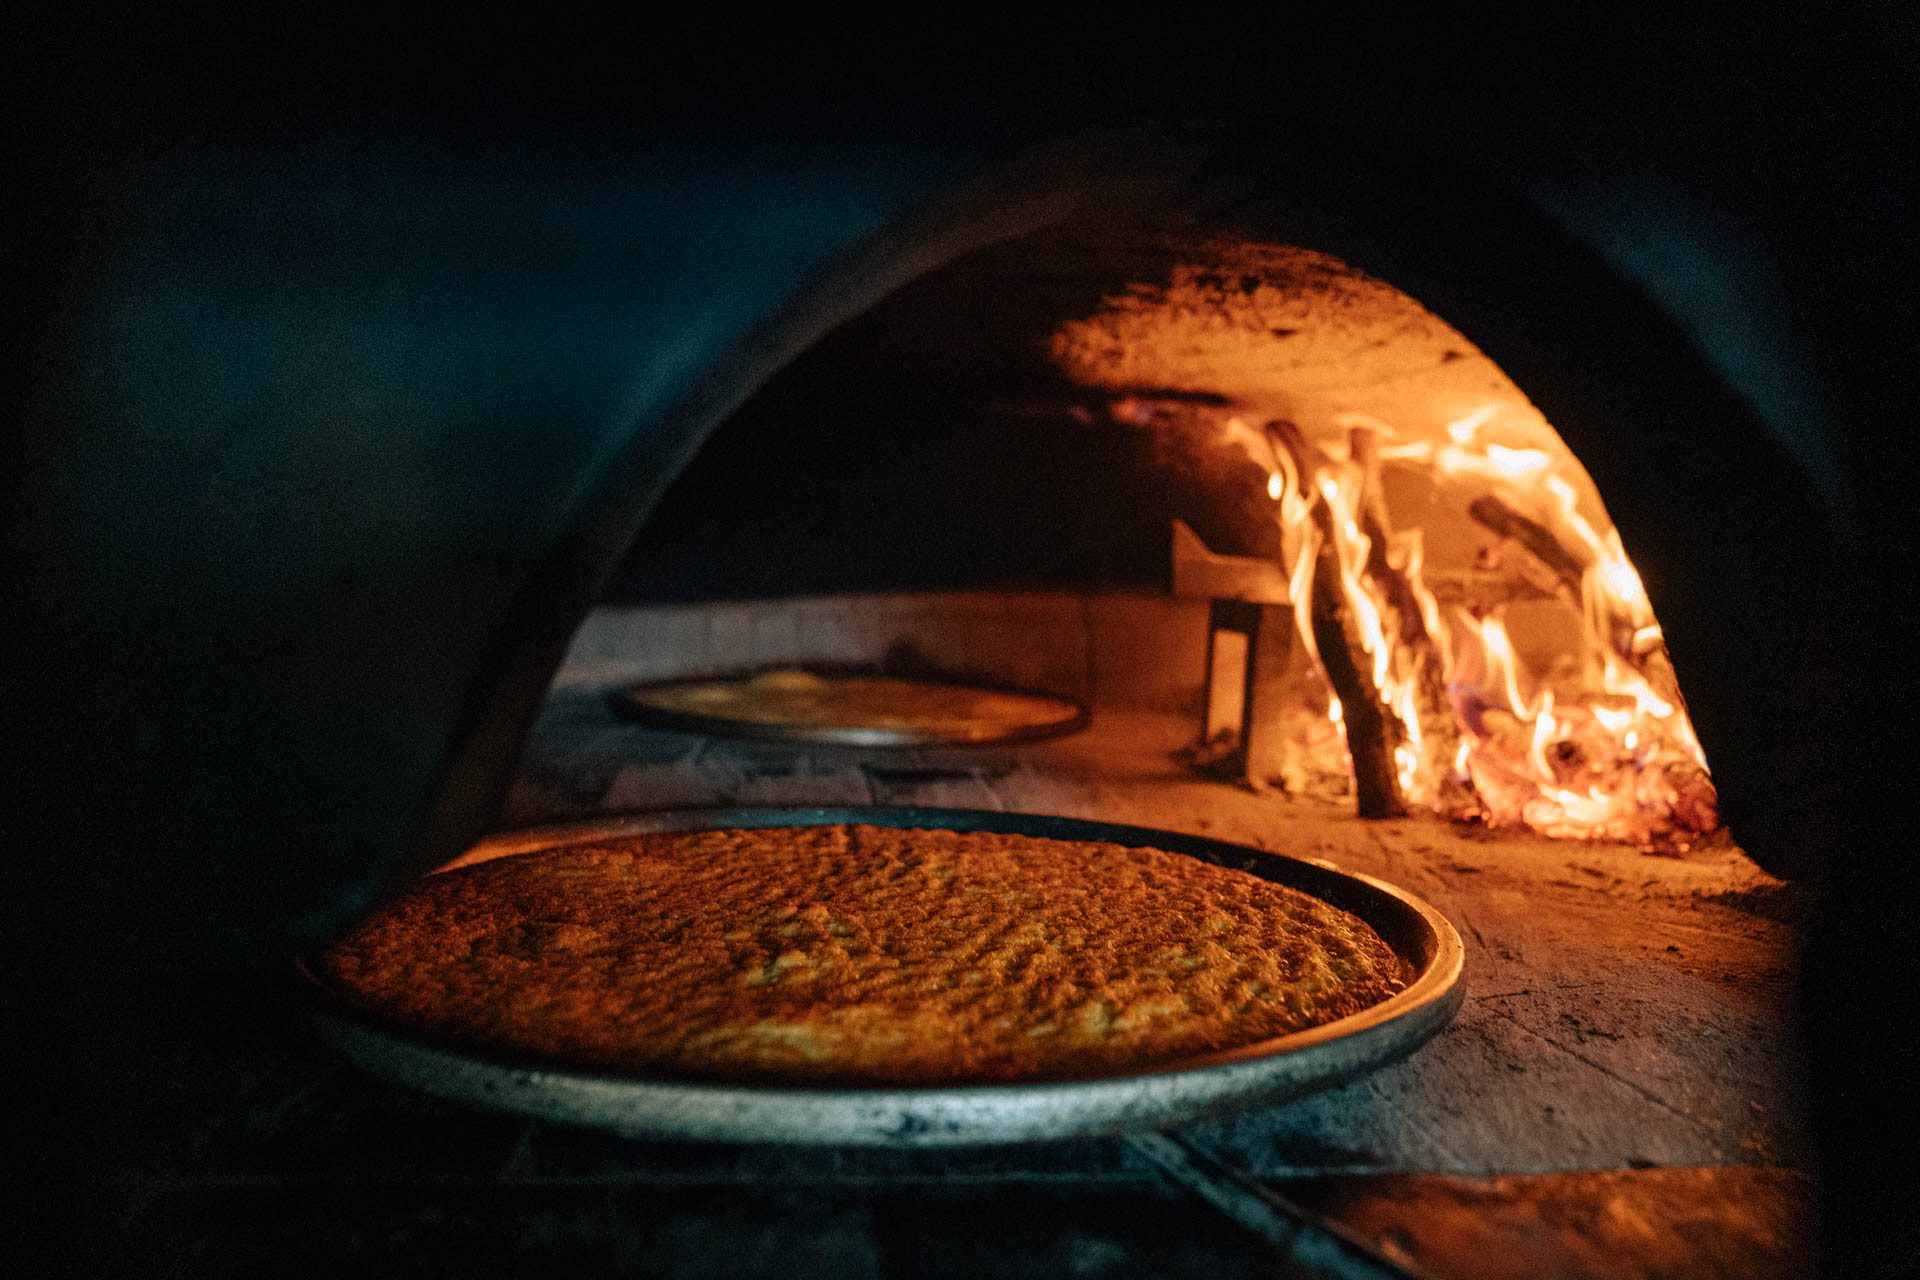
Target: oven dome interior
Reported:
[(1036, 415)]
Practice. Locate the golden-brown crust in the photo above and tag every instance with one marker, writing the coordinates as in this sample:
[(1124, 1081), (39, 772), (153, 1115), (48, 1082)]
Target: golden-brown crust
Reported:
[(793, 699), (858, 953)]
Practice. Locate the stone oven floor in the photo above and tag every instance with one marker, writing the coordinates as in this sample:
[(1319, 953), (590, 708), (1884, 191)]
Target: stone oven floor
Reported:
[(1616, 1097)]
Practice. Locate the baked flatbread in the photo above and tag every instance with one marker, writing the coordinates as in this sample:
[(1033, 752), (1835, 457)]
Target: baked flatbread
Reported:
[(859, 954), (878, 710)]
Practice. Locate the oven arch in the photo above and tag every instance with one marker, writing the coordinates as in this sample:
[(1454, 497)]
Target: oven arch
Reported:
[(1738, 554)]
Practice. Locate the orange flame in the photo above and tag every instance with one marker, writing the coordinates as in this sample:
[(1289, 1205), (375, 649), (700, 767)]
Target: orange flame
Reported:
[(1603, 749)]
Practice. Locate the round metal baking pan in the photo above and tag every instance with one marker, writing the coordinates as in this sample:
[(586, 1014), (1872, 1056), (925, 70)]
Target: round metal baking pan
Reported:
[(1174, 1093), (1064, 715)]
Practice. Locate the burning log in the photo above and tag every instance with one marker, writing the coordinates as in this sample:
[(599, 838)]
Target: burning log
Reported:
[(1440, 730), (1479, 591), (1534, 536), (1648, 656), (1373, 731)]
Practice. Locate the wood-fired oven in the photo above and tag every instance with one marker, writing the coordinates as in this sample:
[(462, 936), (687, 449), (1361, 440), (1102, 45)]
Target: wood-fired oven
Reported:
[(1386, 504)]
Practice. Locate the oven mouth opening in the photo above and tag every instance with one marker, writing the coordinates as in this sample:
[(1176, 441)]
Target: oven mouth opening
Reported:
[(1415, 596)]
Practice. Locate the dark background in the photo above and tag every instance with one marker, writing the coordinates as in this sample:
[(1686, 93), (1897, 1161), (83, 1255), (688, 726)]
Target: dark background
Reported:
[(1794, 128)]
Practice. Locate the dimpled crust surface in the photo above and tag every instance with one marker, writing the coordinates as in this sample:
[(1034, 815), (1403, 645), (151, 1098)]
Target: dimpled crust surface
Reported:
[(859, 954)]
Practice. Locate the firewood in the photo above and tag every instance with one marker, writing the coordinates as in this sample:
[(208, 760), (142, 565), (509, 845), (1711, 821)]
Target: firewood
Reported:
[(1479, 592), (1433, 709), (1370, 726), (1571, 569), (1534, 536), (1373, 731)]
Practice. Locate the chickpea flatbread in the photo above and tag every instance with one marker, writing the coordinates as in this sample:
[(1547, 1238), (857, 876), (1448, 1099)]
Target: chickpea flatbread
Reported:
[(873, 710), (859, 954)]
